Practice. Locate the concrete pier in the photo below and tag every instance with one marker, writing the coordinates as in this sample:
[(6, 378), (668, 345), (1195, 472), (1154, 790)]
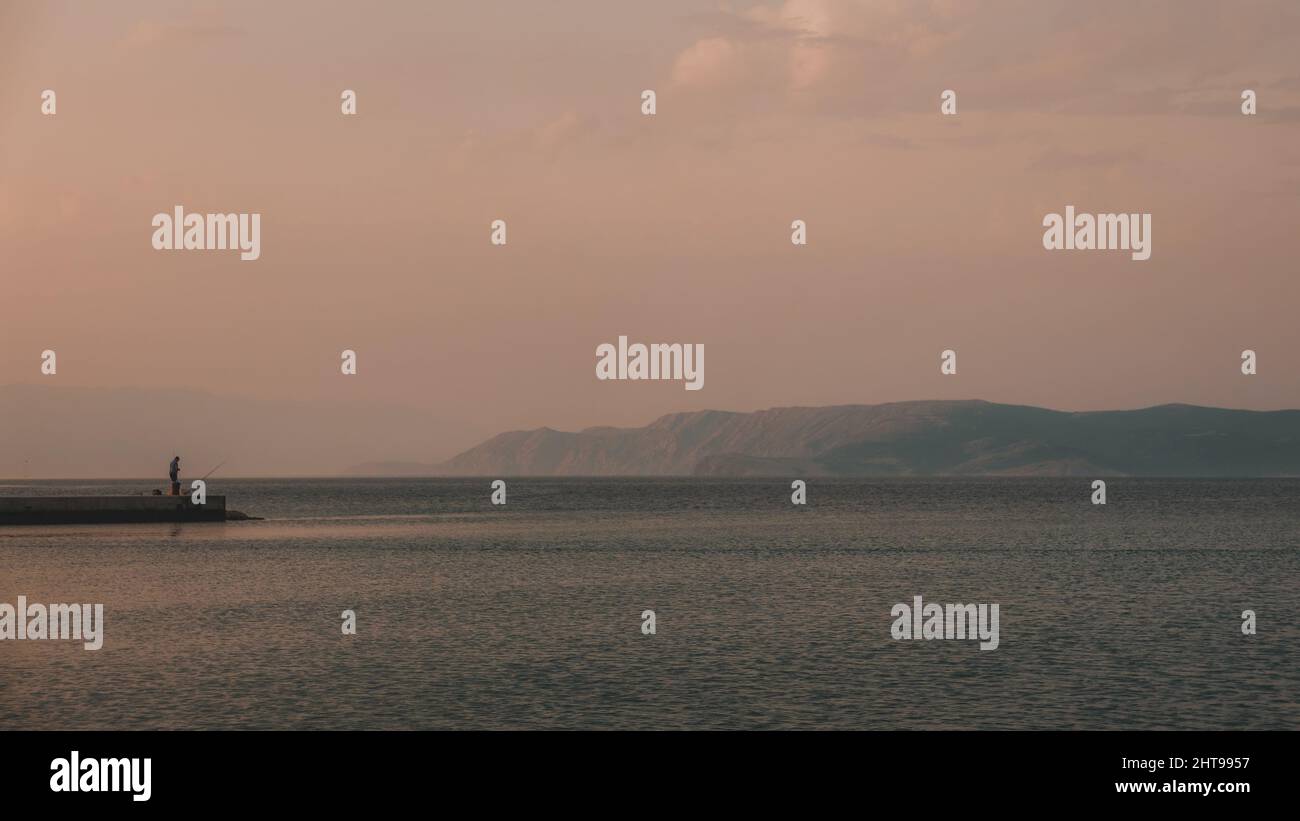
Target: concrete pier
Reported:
[(59, 510)]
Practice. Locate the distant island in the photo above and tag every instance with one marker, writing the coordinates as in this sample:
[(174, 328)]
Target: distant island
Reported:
[(922, 438)]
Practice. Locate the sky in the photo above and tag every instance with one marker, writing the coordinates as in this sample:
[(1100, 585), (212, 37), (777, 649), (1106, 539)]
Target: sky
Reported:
[(924, 230)]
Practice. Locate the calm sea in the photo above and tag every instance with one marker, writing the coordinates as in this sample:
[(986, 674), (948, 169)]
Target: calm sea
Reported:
[(1126, 615)]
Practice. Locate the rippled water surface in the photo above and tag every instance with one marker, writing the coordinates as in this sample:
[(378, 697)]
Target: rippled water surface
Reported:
[(1126, 615)]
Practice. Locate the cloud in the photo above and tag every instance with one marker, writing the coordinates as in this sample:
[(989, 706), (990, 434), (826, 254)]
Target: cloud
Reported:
[(711, 62), (828, 55), (564, 129), (879, 57)]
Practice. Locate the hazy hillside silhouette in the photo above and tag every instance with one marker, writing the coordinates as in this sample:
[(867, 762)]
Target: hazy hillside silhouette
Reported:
[(128, 432), (921, 438)]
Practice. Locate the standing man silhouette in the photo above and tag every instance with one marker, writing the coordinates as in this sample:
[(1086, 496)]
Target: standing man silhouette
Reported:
[(174, 471)]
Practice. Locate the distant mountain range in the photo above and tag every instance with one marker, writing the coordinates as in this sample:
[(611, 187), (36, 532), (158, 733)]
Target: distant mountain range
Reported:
[(924, 438), (54, 431)]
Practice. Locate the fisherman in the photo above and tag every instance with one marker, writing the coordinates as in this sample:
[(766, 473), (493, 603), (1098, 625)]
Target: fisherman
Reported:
[(175, 472)]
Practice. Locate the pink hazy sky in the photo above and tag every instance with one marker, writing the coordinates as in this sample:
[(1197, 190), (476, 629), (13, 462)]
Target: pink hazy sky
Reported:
[(924, 230)]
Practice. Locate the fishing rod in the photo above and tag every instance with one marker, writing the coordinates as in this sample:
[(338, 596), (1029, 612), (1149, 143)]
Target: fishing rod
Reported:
[(214, 470)]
